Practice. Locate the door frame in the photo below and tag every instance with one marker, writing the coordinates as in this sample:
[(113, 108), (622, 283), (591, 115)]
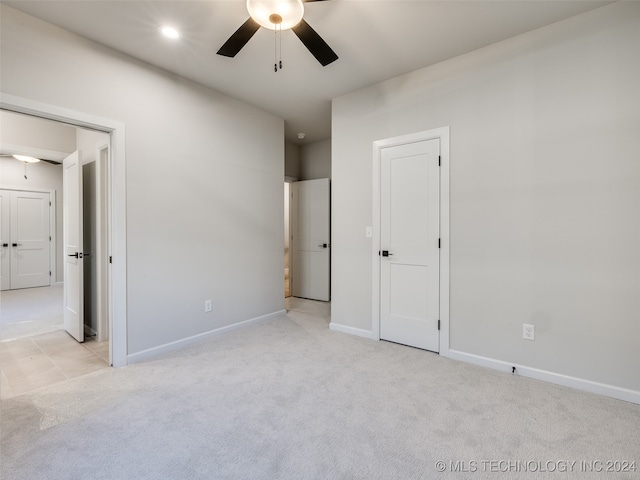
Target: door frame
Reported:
[(52, 224), (443, 135), (117, 221)]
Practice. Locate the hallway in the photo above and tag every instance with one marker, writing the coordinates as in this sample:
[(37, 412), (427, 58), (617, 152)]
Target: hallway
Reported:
[(35, 351)]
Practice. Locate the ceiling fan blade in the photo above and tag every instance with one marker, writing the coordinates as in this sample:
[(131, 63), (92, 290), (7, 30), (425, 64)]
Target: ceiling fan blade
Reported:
[(239, 39), (314, 43)]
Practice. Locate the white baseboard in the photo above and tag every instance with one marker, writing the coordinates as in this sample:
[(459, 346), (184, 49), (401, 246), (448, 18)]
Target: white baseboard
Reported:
[(336, 327), (578, 383), (156, 352)]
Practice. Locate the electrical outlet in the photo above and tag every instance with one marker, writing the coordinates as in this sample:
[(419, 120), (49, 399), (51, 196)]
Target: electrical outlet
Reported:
[(208, 306), (528, 332)]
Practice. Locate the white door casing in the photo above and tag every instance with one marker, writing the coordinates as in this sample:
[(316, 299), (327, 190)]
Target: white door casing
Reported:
[(409, 237), (310, 224), (30, 239), (72, 241), (116, 183), (5, 239), (379, 146)]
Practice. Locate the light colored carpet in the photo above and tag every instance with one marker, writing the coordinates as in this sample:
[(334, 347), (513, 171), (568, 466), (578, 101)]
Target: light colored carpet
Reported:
[(289, 399)]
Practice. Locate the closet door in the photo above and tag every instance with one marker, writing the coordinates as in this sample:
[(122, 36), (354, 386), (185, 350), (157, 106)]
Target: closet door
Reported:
[(5, 238), (30, 240)]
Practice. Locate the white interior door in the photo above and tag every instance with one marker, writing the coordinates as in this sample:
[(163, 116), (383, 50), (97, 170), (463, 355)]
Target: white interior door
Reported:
[(5, 239), (73, 253), (409, 237), (310, 220), (30, 240)]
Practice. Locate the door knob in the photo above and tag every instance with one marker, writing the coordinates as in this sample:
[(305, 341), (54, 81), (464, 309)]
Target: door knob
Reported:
[(323, 245), (16, 244), (74, 255), (5, 244), (385, 253)]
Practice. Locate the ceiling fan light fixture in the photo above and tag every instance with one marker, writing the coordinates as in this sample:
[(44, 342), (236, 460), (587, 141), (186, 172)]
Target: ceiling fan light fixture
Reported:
[(26, 158), (276, 14)]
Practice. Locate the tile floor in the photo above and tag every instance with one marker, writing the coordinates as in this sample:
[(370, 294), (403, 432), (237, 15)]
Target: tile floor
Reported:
[(29, 362)]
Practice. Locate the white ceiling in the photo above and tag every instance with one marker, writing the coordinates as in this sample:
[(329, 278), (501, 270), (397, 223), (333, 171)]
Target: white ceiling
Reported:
[(375, 40)]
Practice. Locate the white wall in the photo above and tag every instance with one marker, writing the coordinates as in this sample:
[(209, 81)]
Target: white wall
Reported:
[(204, 206), (41, 138), (40, 176), (545, 194), (315, 160)]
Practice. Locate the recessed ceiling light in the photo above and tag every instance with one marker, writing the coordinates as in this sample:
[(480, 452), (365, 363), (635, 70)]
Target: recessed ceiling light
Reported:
[(169, 32)]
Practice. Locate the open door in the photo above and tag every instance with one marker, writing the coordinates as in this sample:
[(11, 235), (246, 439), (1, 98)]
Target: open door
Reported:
[(5, 238), (73, 253), (310, 247)]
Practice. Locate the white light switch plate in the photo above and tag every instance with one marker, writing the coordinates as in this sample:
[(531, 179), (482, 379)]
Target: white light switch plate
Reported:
[(369, 232)]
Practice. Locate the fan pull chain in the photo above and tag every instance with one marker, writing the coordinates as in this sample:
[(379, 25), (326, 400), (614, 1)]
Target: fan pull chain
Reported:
[(277, 51), (280, 45)]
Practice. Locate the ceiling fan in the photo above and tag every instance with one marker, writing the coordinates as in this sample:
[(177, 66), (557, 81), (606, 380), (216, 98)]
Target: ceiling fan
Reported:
[(279, 15), (29, 159)]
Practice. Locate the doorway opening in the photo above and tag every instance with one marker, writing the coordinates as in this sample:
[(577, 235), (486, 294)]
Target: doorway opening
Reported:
[(33, 314), (114, 210), (410, 258), (287, 239)]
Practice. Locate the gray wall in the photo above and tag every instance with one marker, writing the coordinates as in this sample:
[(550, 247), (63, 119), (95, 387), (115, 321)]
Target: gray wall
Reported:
[(204, 206), (315, 160), (545, 195), (291, 160), (89, 212)]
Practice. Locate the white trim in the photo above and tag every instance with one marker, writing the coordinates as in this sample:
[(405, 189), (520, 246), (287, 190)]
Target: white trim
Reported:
[(161, 350), (358, 332), (565, 380), (442, 134), (27, 189), (118, 280), (102, 242), (53, 256)]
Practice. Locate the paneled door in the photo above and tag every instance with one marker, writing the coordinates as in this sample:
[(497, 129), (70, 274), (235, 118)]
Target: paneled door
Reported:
[(409, 239), (5, 239), (29, 244), (73, 253), (310, 219)]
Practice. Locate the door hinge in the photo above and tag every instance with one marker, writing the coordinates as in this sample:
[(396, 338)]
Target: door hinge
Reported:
[(49, 237), (439, 161), (49, 203), (110, 259), (49, 273), (438, 324), (438, 243)]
